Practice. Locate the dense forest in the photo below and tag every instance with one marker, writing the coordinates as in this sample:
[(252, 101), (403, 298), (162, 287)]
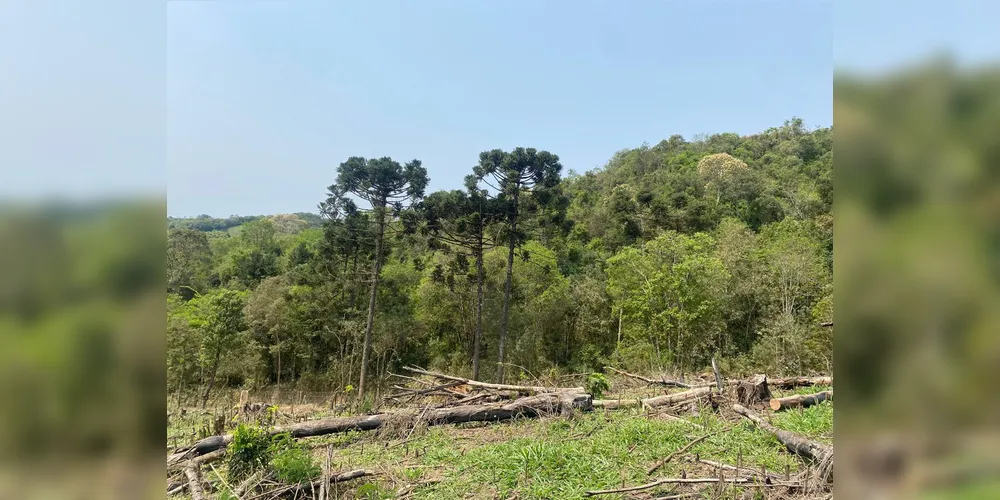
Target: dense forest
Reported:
[(665, 257)]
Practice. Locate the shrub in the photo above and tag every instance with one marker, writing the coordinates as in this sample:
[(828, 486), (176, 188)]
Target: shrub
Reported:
[(596, 384), (250, 451)]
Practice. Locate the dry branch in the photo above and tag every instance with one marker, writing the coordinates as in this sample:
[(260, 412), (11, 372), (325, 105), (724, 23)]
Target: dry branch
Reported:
[(297, 489), (821, 453), (739, 481), (650, 381), (533, 406), (800, 400), (686, 447), (497, 387)]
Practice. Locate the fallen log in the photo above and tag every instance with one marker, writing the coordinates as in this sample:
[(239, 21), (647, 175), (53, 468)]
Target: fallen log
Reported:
[(677, 397), (497, 387), (193, 474), (653, 402), (650, 381), (800, 400), (821, 453), (793, 382), (533, 406), (298, 489)]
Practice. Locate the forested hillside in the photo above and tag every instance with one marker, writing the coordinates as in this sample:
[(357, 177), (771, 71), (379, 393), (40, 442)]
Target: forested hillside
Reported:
[(666, 256)]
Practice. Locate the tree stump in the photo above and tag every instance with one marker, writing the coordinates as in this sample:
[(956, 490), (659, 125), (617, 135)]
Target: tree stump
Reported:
[(753, 392)]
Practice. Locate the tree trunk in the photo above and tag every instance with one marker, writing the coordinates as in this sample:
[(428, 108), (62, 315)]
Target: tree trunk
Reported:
[(497, 387), (795, 443), (211, 379), (476, 341), (793, 382), (669, 399), (754, 391), (529, 407), (372, 299), (803, 401), (507, 286), (194, 482)]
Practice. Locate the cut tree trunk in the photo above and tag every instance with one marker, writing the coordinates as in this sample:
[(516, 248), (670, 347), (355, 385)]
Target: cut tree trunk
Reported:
[(800, 400), (677, 397), (194, 481), (800, 445), (534, 406), (650, 381), (497, 387), (793, 382), (754, 391), (668, 399)]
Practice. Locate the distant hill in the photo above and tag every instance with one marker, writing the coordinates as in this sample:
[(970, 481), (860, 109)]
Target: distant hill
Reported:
[(288, 223)]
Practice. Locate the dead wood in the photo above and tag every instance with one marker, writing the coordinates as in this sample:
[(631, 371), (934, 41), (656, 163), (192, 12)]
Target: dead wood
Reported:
[(686, 447), (739, 470), (800, 400), (738, 481), (533, 406), (193, 473), (793, 382), (677, 397), (650, 381), (497, 387), (821, 453), (754, 391), (298, 489)]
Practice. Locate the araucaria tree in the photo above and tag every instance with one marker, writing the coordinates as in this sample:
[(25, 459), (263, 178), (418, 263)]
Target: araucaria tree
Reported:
[(524, 180), (387, 187), (459, 218)]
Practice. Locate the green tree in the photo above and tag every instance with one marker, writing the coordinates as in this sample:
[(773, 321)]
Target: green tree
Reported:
[(189, 261), (524, 180), (220, 321), (387, 187), (670, 292)]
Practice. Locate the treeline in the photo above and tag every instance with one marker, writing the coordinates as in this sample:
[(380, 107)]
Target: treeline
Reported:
[(208, 223), (664, 257)]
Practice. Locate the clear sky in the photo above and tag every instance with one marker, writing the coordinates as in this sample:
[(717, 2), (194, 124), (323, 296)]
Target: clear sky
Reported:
[(266, 98), (262, 99)]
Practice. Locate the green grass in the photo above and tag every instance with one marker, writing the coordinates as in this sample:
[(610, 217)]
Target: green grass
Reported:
[(559, 458)]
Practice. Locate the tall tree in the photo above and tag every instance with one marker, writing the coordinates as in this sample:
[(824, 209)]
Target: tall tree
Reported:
[(189, 261), (460, 218), (387, 187), (221, 320), (524, 180)]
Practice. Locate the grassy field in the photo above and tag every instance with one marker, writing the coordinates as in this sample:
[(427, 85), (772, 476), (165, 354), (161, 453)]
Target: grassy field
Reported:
[(556, 457)]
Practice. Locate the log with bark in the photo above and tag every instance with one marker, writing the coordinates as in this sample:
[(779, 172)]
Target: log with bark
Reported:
[(795, 443), (667, 399), (793, 382), (533, 406), (650, 381), (193, 474), (496, 387), (800, 400)]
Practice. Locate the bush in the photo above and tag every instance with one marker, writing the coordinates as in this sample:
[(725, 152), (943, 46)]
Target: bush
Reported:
[(254, 449), (250, 451), (596, 384)]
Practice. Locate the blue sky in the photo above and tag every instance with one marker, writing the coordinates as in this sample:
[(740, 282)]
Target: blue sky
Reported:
[(265, 99), (256, 101)]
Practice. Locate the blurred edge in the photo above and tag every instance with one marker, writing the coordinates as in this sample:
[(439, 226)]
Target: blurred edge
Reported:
[(82, 330), (917, 273)]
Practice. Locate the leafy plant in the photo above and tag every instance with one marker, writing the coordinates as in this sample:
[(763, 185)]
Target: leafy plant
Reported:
[(250, 450), (596, 384)]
